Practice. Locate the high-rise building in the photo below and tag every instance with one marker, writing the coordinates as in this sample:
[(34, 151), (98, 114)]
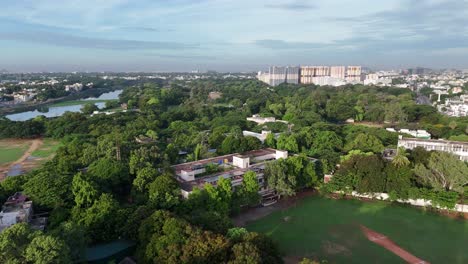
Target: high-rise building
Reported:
[(338, 72), (309, 72), (353, 73), (279, 75)]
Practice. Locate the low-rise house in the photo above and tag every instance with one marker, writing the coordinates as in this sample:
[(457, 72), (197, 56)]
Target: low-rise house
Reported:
[(19, 209)]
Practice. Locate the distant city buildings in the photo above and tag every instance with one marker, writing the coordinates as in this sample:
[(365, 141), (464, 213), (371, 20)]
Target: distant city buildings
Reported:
[(320, 75)]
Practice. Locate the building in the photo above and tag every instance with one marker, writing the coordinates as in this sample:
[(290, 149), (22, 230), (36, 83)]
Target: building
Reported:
[(260, 136), (458, 148), (353, 73), (261, 120), (18, 209), (308, 73), (279, 75), (415, 133), (233, 167), (338, 72)]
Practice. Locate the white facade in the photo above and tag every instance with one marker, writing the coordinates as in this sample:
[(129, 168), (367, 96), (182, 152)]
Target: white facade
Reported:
[(261, 120), (458, 148)]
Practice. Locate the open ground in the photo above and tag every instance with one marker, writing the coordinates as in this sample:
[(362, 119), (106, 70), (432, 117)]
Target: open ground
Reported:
[(23, 155), (332, 230)]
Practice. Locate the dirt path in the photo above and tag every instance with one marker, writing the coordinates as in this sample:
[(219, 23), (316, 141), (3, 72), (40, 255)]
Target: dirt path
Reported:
[(385, 242), (35, 144)]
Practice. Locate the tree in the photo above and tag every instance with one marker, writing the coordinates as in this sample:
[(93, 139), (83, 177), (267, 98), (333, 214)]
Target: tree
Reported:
[(144, 177), (279, 179), (398, 180), (366, 143), (14, 241), (287, 142), (99, 219), (270, 140), (394, 113), (164, 192), (49, 189), (245, 252), (142, 158), (47, 249), (89, 108), (84, 191), (444, 171), (109, 174), (400, 159), (74, 237), (249, 189)]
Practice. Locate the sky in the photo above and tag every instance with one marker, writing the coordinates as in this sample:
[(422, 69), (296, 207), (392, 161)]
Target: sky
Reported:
[(230, 35)]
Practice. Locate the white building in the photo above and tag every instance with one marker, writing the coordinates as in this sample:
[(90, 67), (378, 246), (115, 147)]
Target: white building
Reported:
[(74, 87), (415, 133), (17, 209), (193, 174), (458, 148), (260, 136)]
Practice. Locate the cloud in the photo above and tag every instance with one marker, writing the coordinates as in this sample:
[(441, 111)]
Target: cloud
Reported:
[(292, 6), (277, 44), (182, 56), (59, 39)]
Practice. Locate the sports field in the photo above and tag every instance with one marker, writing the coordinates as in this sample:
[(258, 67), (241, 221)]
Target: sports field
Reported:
[(328, 229), (11, 150)]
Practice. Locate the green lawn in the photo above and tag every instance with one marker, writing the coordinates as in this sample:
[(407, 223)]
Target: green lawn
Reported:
[(328, 229), (10, 152), (47, 149), (78, 102)]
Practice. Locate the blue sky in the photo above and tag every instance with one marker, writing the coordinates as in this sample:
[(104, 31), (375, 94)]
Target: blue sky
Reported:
[(230, 35)]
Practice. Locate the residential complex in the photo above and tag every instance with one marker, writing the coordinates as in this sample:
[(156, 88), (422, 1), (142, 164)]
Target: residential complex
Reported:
[(233, 166), (458, 148), (320, 75)]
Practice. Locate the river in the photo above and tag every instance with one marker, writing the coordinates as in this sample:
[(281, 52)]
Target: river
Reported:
[(60, 110)]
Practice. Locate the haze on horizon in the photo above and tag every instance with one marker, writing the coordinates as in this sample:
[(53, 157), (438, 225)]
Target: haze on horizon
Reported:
[(230, 35)]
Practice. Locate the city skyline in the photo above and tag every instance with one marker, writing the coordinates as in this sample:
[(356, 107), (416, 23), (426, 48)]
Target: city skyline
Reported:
[(121, 35)]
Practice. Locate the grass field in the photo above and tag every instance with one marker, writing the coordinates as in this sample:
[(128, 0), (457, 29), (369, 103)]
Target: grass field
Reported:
[(47, 149), (78, 102), (11, 150), (327, 229)]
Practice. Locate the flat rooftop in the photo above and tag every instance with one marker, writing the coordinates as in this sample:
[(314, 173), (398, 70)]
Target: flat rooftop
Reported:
[(251, 154), (435, 141)]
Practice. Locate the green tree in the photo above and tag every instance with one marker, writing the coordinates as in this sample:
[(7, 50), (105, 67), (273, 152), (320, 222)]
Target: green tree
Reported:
[(279, 179), (270, 141), (287, 142), (394, 113), (49, 189), (89, 108), (47, 249), (84, 191), (249, 189), (365, 143), (144, 177), (164, 192), (444, 171), (400, 159), (14, 241), (74, 237)]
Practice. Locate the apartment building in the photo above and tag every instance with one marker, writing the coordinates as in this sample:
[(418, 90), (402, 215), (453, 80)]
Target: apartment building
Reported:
[(338, 72), (353, 73)]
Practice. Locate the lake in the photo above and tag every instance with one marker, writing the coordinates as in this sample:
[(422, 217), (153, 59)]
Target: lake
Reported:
[(55, 111)]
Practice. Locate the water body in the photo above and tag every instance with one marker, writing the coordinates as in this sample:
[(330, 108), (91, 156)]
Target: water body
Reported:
[(60, 110)]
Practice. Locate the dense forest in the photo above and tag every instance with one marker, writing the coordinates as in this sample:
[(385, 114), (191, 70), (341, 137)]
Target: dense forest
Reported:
[(103, 185)]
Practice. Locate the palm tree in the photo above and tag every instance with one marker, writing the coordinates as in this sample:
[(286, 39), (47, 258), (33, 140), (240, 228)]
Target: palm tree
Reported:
[(400, 159)]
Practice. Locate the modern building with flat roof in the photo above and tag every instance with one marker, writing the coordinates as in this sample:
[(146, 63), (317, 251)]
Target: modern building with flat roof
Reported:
[(455, 147), (19, 209), (233, 167)]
